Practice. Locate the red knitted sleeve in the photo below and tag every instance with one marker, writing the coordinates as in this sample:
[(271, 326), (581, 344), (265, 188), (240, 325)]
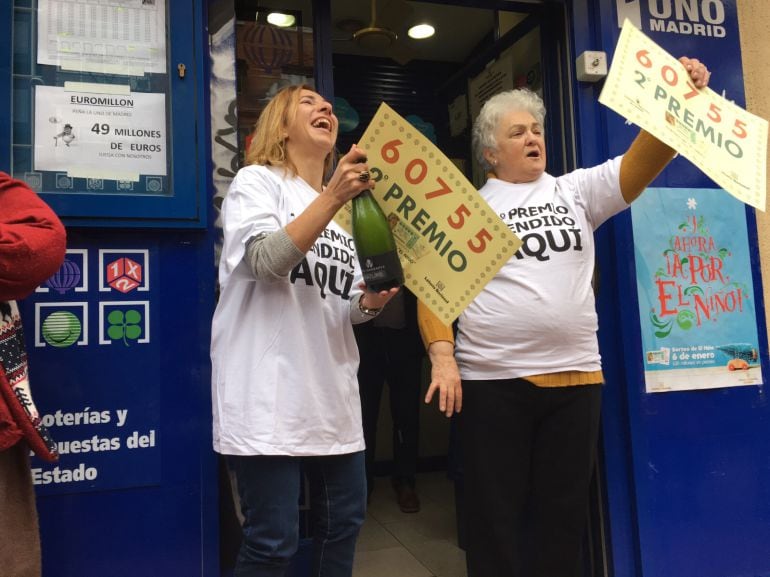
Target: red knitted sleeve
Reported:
[(32, 239)]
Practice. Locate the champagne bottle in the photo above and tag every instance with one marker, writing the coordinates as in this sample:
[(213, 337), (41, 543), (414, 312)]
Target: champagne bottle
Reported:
[(375, 245)]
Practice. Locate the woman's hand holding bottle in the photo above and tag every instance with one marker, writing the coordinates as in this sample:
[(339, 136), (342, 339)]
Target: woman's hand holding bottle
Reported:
[(346, 182)]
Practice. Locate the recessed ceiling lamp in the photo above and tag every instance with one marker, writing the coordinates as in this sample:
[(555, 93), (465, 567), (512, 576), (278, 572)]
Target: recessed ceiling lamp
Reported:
[(280, 19), (421, 31)]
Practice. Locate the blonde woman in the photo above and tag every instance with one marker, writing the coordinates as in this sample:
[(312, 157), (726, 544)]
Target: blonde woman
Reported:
[(284, 358)]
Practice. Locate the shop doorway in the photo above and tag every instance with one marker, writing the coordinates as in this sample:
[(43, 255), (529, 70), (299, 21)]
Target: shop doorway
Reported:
[(439, 85)]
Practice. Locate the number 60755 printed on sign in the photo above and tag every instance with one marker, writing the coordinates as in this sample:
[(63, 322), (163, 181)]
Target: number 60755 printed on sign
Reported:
[(652, 89)]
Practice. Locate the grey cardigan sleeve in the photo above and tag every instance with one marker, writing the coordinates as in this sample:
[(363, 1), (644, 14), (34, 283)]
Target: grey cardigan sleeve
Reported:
[(271, 256)]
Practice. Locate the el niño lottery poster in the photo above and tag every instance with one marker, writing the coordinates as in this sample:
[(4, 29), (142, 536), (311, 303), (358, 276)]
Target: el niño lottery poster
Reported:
[(696, 297)]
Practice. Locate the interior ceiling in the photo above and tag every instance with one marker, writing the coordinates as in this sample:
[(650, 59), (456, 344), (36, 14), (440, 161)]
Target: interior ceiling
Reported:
[(459, 29)]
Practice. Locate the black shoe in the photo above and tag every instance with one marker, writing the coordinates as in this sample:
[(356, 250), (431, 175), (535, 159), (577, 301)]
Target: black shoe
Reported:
[(406, 496)]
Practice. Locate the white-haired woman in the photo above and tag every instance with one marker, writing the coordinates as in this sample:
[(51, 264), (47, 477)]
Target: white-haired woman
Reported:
[(525, 367)]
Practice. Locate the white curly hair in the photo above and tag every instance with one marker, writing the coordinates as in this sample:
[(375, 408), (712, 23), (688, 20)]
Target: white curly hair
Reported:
[(502, 103)]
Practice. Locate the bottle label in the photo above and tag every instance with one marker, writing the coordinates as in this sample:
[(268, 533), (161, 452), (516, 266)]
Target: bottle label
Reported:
[(381, 267)]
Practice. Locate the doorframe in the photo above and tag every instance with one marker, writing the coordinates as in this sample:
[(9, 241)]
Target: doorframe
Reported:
[(577, 136)]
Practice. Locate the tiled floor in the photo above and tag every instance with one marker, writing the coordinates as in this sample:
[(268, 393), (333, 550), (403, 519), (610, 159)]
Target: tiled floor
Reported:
[(422, 544)]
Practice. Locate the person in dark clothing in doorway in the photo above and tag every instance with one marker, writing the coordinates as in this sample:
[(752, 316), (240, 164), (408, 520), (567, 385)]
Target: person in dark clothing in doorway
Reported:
[(391, 351)]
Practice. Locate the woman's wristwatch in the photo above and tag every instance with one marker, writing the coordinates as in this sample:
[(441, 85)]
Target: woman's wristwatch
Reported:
[(365, 310)]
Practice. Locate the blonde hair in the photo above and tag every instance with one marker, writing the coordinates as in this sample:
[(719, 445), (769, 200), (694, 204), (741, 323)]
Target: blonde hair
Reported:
[(268, 143)]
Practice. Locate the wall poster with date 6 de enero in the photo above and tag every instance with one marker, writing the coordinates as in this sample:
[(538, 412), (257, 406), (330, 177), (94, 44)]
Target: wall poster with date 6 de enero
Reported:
[(696, 298)]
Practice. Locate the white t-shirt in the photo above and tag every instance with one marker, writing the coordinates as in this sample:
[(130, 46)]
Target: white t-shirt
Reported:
[(284, 357), (538, 315)]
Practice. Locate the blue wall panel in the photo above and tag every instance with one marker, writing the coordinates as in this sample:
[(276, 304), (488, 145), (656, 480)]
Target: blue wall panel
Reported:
[(687, 472), (118, 349), (144, 510)]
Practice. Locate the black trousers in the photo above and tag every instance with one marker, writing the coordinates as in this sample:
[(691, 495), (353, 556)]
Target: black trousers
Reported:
[(393, 356), (528, 454)]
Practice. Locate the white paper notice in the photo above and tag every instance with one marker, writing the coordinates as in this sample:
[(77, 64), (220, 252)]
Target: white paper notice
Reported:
[(100, 134), (126, 37)]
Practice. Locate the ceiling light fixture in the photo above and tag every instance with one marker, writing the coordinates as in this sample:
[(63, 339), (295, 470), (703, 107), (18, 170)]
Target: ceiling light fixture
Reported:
[(281, 20), (421, 31)]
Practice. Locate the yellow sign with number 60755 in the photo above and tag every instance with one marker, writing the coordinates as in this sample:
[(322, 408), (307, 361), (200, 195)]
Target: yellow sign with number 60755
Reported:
[(651, 88), (450, 242)]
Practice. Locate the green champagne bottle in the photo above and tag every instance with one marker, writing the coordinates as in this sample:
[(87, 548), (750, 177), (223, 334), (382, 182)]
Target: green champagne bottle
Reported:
[(375, 245)]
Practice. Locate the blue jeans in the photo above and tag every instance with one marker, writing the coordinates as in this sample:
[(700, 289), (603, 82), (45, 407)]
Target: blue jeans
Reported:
[(269, 491)]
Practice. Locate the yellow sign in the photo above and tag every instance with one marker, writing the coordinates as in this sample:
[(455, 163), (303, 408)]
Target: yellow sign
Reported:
[(449, 240), (652, 89)]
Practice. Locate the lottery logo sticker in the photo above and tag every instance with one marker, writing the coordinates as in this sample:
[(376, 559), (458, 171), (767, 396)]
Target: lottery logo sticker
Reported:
[(61, 325), (72, 275), (124, 270), (124, 322)]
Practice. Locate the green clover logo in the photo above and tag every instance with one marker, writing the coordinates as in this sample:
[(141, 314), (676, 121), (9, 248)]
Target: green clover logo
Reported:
[(124, 326)]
